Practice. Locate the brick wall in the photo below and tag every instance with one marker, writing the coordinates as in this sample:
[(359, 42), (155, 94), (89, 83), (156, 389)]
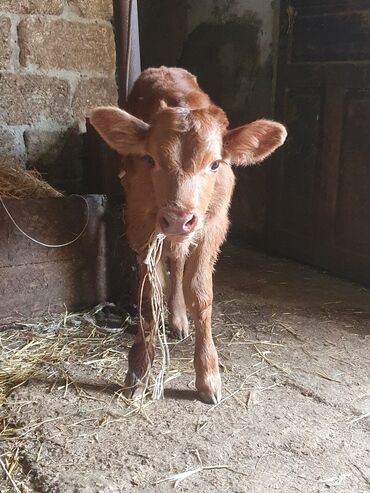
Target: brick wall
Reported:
[(57, 60)]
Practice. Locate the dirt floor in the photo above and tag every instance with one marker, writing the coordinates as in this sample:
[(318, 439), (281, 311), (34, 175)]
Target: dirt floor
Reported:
[(294, 348)]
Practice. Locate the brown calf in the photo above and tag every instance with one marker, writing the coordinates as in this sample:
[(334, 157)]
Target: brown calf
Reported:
[(178, 181)]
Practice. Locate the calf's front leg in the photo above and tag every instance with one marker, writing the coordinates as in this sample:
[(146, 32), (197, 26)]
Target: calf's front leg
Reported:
[(141, 354), (177, 318), (199, 297)]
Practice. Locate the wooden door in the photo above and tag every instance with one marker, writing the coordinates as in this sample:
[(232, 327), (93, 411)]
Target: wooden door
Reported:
[(319, 184)]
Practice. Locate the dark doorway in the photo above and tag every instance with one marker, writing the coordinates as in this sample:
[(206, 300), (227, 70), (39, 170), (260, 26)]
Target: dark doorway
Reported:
[(319, 210)]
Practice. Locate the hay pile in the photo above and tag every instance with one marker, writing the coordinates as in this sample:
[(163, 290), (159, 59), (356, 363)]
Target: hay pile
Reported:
[(18, 183)]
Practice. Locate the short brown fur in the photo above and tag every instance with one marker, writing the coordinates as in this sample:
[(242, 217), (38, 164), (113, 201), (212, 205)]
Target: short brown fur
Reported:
[(172, 126)]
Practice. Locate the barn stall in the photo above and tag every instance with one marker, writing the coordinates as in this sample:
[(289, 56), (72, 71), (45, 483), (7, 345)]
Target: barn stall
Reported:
[(292, 307)]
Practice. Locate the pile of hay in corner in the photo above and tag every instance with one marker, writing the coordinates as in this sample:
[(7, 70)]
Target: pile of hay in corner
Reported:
[(18, 183)]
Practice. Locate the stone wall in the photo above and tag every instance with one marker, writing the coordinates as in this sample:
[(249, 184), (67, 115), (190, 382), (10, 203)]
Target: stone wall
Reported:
[(229, 45), (57, 60)]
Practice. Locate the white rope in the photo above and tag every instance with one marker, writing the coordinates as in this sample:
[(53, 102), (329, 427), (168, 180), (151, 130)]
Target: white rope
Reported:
[(46, 244)]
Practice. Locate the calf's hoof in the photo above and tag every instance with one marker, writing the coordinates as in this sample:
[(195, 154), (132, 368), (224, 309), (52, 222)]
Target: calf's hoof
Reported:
[(140, 358), (134, 388), (179, 327), (209, 388)]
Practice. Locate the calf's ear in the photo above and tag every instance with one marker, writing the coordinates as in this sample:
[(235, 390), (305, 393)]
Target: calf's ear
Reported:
[(252, 143), (123, 132)]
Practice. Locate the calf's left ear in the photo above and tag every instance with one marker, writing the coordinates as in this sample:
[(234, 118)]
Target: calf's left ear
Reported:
[(253, 142)]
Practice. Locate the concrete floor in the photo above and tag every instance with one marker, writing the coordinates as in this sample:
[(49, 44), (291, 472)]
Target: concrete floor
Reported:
[(294, 350)]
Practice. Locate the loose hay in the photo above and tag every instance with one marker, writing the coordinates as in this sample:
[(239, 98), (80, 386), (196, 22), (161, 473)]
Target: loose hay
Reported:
[(152, 260), (29, 350), (42, 350), (8, 475), (18, 183)]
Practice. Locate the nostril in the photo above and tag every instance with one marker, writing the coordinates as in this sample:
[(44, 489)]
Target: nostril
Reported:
[(190, 222)]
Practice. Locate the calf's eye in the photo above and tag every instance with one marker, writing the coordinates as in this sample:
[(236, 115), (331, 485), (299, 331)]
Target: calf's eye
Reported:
[(150, 161), (215, 165)]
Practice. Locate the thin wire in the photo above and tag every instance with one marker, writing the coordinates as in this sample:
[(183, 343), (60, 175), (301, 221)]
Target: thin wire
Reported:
[(61, 245)]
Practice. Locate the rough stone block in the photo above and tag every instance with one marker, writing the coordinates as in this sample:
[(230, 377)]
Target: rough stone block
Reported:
[(43, 145), (57, 155), (26, 99), (97, 9), (5, 49), (54, 7), (91, 93), (7, 143), (66, 45)]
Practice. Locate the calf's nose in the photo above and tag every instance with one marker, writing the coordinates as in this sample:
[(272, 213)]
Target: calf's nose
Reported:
[(177, 222)]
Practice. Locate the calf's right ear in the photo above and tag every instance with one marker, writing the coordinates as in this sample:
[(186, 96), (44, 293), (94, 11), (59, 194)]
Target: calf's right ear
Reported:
[(123, 132)]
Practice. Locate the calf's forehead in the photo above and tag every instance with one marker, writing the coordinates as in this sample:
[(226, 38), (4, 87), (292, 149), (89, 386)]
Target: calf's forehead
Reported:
[(191, 149)]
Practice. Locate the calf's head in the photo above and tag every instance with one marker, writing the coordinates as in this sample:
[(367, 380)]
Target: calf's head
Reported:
[(184, 151)]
